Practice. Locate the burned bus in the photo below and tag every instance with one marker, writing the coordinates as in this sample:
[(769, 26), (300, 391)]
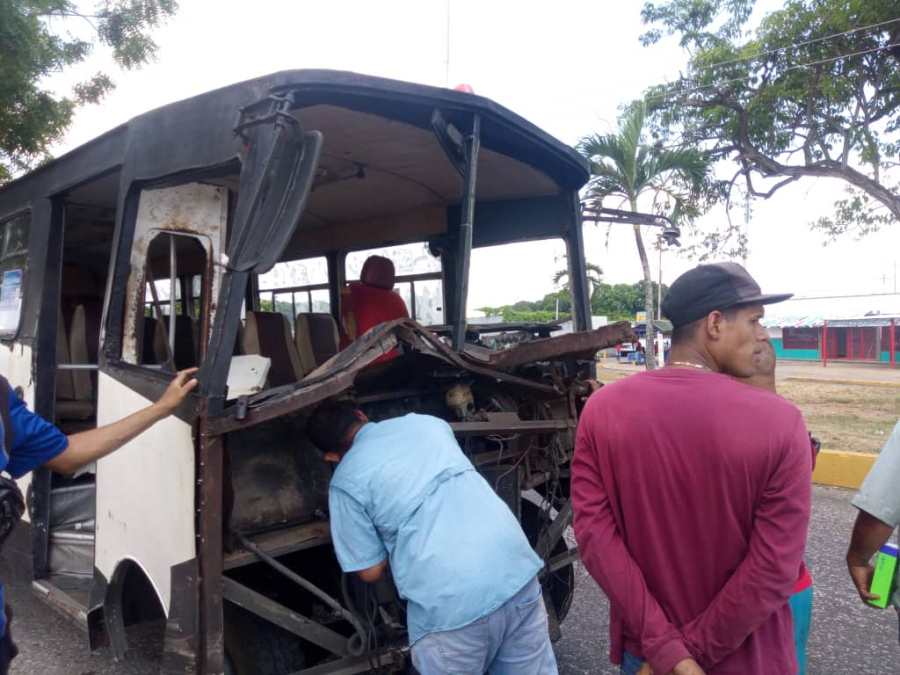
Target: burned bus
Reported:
[(223, 232)]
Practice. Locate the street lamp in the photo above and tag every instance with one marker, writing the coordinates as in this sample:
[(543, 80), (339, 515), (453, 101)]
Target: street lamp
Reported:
[(670, 235)]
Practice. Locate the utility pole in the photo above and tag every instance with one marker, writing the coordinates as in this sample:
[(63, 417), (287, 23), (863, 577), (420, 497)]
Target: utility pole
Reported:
[(660, 338)]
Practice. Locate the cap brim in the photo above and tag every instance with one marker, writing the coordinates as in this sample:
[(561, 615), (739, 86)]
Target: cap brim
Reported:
[(766, 299)]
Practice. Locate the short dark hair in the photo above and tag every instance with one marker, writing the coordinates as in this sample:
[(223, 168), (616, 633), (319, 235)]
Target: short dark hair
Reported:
[(330, 423)]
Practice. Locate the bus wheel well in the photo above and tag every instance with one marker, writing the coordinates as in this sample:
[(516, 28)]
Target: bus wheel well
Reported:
[(130, 599)]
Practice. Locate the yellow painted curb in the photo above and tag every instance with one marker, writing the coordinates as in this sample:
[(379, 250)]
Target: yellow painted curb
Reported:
[(842, 469)]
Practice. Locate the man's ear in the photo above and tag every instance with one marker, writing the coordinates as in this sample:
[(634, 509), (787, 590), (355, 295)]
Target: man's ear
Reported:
[(713, 324), (361, 416)]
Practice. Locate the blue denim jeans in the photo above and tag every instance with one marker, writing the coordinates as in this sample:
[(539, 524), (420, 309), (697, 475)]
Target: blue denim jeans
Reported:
[(512, 640), (630, 664), (801, 611)]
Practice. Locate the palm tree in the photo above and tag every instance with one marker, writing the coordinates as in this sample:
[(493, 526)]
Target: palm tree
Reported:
[(629, 171), (594, 277)]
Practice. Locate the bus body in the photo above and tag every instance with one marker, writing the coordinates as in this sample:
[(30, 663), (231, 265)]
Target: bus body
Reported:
[(220, 232)]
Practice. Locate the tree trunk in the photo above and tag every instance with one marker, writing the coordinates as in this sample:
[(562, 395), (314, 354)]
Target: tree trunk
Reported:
[(650, 351)]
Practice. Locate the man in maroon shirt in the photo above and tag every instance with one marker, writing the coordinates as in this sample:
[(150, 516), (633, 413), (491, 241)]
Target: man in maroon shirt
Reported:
[(692, 494)]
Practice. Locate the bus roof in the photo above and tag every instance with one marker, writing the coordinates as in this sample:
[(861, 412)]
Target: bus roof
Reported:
[(185, 134)]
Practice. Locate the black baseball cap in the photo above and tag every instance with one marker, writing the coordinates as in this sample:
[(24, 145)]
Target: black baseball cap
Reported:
[(707, 288)]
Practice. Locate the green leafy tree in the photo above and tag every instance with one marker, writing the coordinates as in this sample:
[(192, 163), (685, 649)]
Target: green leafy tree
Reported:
[(35, 42), (628, 171), (813, 92), (620, 302)]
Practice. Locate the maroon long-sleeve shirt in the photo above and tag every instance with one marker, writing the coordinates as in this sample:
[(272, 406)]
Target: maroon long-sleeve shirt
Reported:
[(692, 495)]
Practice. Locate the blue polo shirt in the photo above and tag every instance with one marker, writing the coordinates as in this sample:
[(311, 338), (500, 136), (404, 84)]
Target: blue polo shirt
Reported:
[(405, 491), (35, 442)]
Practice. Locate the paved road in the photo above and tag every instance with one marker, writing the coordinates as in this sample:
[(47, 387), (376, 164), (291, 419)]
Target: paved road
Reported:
[(846, 638)]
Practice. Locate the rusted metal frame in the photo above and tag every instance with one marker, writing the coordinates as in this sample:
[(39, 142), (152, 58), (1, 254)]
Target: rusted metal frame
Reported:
[(569, 345), (472, 146), (283, 617), (392, 658), (209, 490), (557, 562), (553, 532), (334, 377), (463, 155), (517, 427), (282, 542), (580, 287)]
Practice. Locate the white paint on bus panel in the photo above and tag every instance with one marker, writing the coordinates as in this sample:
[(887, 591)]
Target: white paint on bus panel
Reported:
[(145, 493)]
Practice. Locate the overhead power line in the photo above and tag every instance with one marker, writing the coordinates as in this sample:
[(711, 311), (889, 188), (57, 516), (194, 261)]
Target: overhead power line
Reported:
[(714, 85), (804, 43)]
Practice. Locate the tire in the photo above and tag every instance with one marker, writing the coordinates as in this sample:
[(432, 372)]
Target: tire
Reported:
[(560, 585), (256, 647)]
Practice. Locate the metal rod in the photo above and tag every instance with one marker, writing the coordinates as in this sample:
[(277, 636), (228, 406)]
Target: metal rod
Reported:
[(77, 366), (312, 588), (472, 146), (173, 284)]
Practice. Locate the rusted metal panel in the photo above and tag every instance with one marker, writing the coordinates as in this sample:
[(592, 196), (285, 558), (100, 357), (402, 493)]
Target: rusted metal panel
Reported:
[(284, 617), (193, 209), (281, 542), (338, 374), (571, 345), (210, 548), (180, 644), (508, 425), (391, 661)]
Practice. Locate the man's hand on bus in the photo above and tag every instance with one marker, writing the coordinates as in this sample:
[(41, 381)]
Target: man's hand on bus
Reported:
[(89, 446), (177, 391)]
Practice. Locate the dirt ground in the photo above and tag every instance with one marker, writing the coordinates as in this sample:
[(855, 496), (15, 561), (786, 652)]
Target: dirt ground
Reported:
[(854, 412)]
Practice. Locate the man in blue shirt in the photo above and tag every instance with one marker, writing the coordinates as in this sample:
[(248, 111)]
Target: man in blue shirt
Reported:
[(27, 442), (404, 493)]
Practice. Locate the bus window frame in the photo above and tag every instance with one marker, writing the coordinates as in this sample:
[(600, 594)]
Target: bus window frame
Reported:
[(404, 278), (12, 335)]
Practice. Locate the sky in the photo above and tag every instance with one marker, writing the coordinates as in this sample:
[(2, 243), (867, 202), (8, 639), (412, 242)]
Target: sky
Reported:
[(566, 66)]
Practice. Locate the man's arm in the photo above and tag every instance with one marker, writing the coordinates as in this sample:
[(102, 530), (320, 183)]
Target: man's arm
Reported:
[(355, 538), (869, 535), (372, 574), (606, 557), (878, 502), (89, 446), (763, 581)]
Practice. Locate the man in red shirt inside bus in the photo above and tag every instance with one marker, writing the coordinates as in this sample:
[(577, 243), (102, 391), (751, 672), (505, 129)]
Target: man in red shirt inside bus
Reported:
[(691, 493), (371, 301)]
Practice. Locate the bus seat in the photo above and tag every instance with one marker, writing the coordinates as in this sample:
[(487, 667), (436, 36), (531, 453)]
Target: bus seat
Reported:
[(371, 301), (184, 353), (269, 334), (71, 404), (84, 342), (152, 341), (65, 387), (316, 338)]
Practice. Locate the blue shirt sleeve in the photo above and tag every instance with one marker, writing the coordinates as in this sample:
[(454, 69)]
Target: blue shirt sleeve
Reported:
[(356, 541), (35, 441)]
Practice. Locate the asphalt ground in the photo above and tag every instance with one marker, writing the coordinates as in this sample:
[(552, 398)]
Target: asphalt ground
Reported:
[(846, 636)]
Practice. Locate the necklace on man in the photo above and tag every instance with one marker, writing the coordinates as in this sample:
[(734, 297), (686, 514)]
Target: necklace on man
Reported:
[(688, 364)]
